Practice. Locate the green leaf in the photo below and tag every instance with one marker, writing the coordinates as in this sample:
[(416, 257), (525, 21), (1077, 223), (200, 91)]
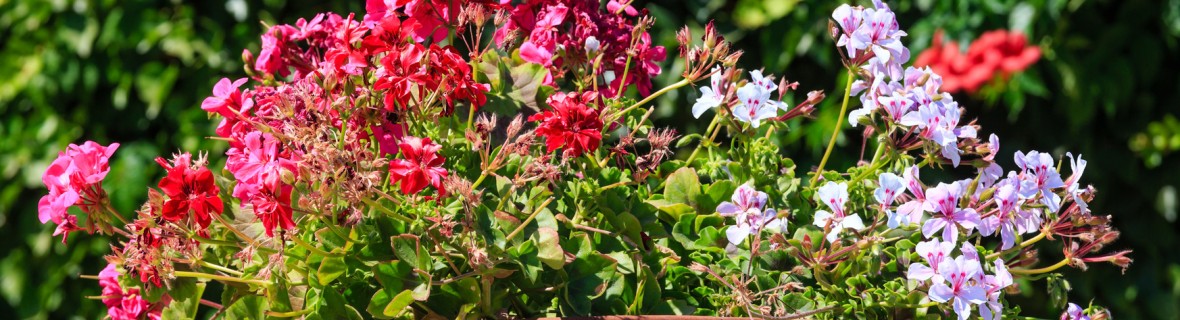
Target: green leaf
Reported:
[(278, 296), (399, 303), (407, 248), (549, 248), (186, 296), (333, 306), (247, 307), (400, 275), (385, 306), (715, 194), (514, 85), (683, 186), (671, 212), (330, 269)]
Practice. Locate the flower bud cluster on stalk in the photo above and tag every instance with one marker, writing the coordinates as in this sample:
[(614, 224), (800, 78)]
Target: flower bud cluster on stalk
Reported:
[(372, 171)]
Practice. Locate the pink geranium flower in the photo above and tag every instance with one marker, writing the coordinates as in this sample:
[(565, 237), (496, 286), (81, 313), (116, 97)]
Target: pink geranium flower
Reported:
[(123, 304), (75, 178), (256, 163), (229, 102)]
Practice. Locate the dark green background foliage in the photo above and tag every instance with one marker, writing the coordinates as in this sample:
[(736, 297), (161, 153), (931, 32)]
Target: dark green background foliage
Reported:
[(135, 72)]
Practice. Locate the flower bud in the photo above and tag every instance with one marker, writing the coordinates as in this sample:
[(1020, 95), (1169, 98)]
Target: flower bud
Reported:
[(287, 176), (592, 45), (710, 36)]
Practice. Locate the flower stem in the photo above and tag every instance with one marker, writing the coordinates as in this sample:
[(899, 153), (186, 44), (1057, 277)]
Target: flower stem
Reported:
[(395, 215), (1048, 269), (674, 86), (236, 231), (482, 175), (470, 116), (877, 154), (836, 131), (199, 275), (872, 167), (1022, 245), (290, 314), (910, 306), (206, 264), (313, 249), (712, 126), (528, 220)]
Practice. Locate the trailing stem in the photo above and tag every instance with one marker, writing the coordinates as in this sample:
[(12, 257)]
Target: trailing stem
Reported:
[(836, 131)]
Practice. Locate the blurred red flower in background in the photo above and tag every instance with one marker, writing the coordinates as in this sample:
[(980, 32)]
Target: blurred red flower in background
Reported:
[(997, 51)]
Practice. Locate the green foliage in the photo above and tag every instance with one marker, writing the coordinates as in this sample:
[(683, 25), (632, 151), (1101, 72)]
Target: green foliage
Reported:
[(135, 71)]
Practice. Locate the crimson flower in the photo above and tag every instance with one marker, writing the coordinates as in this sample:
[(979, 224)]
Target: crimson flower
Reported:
[(570, 124), (273, 207), (421, 166), (189, 189)]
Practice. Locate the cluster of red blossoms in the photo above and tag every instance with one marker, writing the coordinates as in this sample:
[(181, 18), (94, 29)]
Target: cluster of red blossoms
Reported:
[(998, 51), (564, 33), (190, 188), (331, 102), (572, 123)]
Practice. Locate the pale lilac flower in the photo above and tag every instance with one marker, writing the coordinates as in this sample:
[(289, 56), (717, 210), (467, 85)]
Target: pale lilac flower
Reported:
[(874, 29), (1074, 312), (889, 187), (948, 216), (765, 83), (849, 19), (993, 144), (747, 208), (822, 218), (711, 95), (968, 250), (880, 30), (989, 175), (895, 105), (913, 209), (1009, 219), (854, 116), (933, 81), (993, 287), (744, 200), (1039, 175), (961, 292), (939, 123), (934, 251), (754, 105), (749, 223), (1077, 166), (835, 196)]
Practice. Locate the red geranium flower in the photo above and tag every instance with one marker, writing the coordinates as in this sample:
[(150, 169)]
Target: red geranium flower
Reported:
[(273, 207), (189, 188), (570, 124), (421, 166)]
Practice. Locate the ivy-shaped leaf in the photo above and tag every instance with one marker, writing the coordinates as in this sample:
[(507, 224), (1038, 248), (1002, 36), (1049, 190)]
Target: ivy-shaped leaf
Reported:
[(186, 296)]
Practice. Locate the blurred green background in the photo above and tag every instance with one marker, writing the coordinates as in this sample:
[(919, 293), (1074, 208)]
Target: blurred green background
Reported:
[(134, 72)]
